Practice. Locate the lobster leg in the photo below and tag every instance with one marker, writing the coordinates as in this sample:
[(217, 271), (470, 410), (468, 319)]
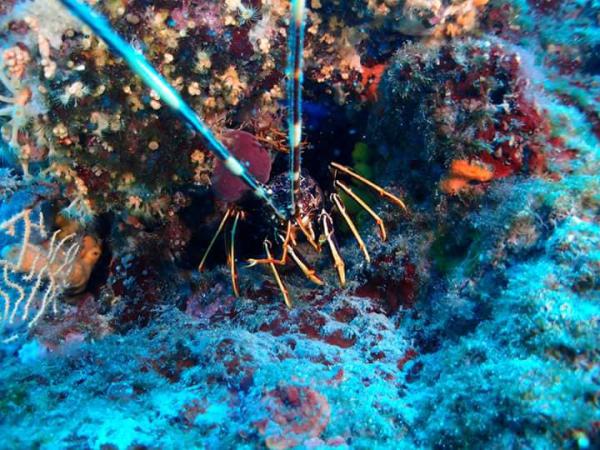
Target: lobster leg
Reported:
[(381, 191), (306, 269), (284, 291), (214, 239), (281, 261), (366, 207), (309, 234), (338, 261), (231, 256), (342, 209)]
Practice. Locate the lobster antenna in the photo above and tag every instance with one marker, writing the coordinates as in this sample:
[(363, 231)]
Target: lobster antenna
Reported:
[(154, 80), (294, 93)]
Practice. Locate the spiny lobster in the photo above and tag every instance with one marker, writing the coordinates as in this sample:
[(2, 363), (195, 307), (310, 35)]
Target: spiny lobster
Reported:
[(303, 197)]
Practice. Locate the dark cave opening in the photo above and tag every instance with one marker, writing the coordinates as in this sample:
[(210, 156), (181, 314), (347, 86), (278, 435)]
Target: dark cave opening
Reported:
[(330, 131)]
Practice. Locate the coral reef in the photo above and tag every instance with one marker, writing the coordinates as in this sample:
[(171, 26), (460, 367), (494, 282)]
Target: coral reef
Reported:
[(468, 320)]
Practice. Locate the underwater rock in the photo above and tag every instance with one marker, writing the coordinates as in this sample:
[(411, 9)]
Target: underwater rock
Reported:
[(465, 109), (436, 19)]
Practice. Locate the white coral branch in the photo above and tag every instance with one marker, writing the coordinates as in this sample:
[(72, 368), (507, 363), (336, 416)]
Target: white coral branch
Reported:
[(39, 276)]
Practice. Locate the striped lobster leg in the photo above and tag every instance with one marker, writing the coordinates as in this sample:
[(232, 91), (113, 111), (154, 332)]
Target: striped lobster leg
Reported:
[(294, 94), (154, 80)]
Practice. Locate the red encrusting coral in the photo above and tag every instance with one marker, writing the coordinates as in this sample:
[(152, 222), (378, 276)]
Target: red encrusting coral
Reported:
[(296, 414), (390, 293), (370, 79), (247, 149)]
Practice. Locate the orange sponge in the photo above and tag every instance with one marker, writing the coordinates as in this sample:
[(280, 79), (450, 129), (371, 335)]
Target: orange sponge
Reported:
[(462, 172), (474, 170)]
